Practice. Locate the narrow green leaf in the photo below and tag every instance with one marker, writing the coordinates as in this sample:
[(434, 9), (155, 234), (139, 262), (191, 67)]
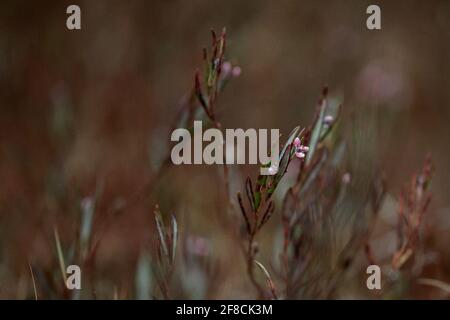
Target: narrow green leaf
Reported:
[(315, 136), (260, 185), (62, 264), (249, 193), (161, 231), (87, 214), (174, 237), (289, 141), (264, 270), (269, 280), (34, 281)]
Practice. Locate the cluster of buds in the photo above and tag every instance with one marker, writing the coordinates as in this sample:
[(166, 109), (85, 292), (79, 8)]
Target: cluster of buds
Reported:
[(300, 150), (229, 70)]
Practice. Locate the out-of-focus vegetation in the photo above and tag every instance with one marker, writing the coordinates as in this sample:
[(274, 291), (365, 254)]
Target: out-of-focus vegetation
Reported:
[(85, 120)]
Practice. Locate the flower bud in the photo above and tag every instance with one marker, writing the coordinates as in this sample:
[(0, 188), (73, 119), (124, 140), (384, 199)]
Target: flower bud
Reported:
[(236, 72), (300, 155)]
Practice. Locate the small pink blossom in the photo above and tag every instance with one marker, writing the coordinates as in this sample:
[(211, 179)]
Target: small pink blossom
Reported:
[(226, 68), (300, 155), (273, 170), (328, 119), (299, 148), (236, 72), (346, 178), (304, 148)]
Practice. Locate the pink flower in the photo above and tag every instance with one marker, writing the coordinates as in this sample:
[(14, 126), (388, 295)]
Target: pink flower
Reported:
[(299, 148), (346, 178), (236, 72), (273, 170), (300, 155), (226, 68), (328, 119), (304, 148)]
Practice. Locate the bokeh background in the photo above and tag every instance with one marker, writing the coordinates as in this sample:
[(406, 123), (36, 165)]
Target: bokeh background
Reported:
[(90, 111)]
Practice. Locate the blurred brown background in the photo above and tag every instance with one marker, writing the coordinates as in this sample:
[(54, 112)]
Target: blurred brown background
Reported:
[(89, 108)]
